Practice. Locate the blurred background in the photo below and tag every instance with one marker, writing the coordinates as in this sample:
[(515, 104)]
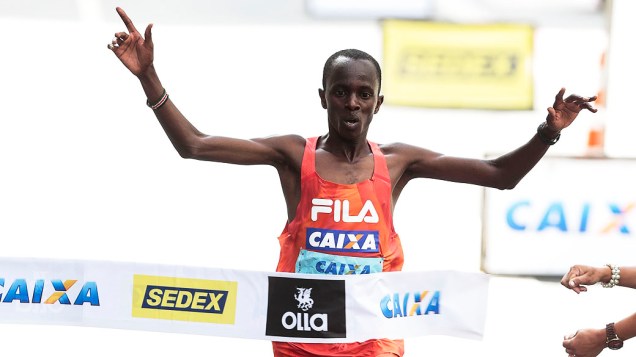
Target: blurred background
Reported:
[(89, 174)]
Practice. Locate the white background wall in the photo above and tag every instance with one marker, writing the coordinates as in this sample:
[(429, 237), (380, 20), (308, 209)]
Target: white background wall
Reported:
[(88, 173)]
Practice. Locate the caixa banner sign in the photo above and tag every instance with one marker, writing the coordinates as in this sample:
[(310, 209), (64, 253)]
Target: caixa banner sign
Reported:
[(572, 217), (566, 210)]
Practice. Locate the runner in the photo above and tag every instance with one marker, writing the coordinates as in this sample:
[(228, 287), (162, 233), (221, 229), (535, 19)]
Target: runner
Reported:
[(340, 188)]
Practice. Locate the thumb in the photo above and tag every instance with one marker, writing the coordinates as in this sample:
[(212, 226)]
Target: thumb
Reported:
[(584, 279), (575, 282), (551, 112), (576, 286), (148, 35), (567, 340)]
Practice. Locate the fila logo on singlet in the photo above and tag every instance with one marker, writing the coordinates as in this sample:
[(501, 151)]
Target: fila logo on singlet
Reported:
[(339, 209)]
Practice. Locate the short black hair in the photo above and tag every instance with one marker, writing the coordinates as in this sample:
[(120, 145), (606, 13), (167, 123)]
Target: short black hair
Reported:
[(354, 55)]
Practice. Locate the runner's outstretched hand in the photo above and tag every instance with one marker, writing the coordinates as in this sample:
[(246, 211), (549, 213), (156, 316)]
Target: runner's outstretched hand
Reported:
[(563, 112), (133, 50)]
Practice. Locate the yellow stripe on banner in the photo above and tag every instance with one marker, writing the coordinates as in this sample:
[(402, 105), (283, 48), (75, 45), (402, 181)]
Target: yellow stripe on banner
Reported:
[(443, 65)]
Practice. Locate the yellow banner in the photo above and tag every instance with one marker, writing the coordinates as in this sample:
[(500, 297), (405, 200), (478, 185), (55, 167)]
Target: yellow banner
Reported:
[(443, 65)]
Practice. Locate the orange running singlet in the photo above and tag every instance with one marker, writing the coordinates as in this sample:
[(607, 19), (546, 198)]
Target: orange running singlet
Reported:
[(341, 229)]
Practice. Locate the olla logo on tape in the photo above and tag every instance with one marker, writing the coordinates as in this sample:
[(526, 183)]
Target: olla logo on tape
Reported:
[(306, 308)]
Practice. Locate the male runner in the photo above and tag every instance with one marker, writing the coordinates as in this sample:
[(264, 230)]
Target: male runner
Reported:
[(341, 173)]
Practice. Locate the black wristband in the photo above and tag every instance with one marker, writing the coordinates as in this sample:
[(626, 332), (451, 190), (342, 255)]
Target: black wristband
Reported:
[(545, 140), (162, 101)]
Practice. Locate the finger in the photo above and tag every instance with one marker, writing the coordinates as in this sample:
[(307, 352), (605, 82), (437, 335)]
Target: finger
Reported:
[(589, 107), (111, 47), (129, 25), (568, 341), (570, 284), (551, 112), (148, 35), (567, 278), (575, 270), (575, 283), (583, 278), (578, 100), (121, 35), (576, 289), (575, 286), (559, 96)]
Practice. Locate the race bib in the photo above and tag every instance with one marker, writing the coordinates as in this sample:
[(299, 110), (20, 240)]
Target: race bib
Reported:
[(309, 262)]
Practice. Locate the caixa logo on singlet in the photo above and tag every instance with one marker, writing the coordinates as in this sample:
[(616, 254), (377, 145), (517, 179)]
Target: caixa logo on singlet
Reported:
[(333, 240), (306, 308)]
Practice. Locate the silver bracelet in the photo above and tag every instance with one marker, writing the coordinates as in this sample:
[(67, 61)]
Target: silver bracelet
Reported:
[(616, 276)]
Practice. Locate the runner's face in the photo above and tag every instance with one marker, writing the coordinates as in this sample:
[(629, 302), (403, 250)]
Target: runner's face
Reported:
[(351, 97)]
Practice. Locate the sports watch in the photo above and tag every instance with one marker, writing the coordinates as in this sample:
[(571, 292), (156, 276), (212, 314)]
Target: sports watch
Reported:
[(613, 341)]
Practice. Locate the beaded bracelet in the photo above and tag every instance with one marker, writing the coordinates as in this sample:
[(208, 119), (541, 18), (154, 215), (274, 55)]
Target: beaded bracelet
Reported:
[(544, 139), (616, 276), (162, 101)]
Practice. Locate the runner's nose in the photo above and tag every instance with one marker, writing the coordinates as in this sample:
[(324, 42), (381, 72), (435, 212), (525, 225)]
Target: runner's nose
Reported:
[(352, 102)]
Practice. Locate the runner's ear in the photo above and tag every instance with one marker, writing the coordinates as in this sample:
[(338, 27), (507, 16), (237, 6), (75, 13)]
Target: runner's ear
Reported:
[(323, 100), (378, 104)]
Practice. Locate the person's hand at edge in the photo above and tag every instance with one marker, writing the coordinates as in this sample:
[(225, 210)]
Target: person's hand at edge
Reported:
[(580, 275)]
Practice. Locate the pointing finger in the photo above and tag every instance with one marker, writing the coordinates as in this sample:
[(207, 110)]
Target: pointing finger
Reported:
[(129, 25)]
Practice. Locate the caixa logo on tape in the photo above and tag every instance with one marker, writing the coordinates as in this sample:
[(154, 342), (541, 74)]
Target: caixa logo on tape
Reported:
[(410, 304), (306, 308), (40, 291), (184, 299)]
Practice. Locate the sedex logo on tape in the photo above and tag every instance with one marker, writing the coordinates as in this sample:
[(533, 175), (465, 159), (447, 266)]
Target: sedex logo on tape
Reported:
[(171, 298), (308, 308)]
